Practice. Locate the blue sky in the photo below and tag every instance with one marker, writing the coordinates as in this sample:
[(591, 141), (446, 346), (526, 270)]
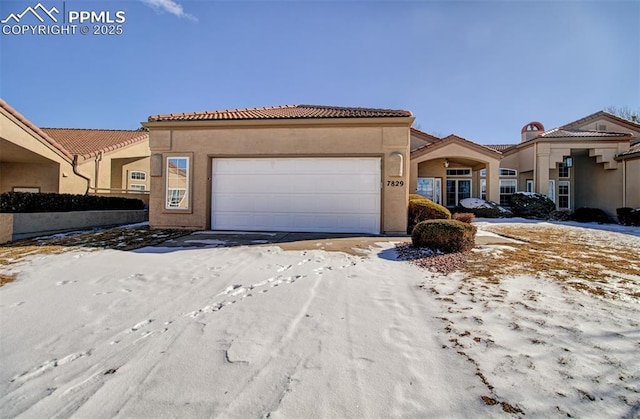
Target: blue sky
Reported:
[(479, 69)]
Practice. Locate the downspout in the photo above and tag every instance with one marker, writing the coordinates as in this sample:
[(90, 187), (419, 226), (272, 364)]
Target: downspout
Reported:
[(624, 183), (535, 169), (74, 165)]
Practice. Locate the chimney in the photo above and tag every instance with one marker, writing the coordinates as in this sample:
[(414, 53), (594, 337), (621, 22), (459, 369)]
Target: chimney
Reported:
[(531, 130), (634, 118)]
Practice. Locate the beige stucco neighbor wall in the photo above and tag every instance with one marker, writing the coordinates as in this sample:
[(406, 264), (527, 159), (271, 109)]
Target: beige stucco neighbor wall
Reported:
[(374, 137), (6, 227), (28, 160), (595, 187), (632, 184)]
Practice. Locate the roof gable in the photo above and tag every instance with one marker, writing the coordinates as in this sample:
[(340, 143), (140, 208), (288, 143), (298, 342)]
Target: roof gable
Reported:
[(591, 122), (451, 139), (283, 112), (421, 138)]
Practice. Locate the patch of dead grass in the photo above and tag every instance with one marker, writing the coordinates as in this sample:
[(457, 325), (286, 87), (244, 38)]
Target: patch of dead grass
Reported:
[(569, 255), (117, 238)]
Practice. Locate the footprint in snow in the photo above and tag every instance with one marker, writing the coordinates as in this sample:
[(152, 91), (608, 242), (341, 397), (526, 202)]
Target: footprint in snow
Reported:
[(140, 325), (65, 282), (284, 268)]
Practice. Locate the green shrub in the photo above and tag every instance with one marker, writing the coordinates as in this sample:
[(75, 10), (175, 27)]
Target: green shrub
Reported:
[(628, 216), (448, 236), (421, 209), (482, 209), (17, 202), (531, 205), (465, 217), (590, 215)]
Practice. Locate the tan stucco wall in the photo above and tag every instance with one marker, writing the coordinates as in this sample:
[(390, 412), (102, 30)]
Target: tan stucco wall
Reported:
[(594, 186), (38, 175), (632, 169), (378, 138), (122, 168), (42, 163)]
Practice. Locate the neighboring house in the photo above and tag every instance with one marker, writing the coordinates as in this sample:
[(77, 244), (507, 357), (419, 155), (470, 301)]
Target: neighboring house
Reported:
[(77, 161), (586, 163), (288, 168), (338, 169)]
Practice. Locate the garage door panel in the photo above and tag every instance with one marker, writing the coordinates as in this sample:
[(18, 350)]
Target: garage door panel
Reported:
[(296, 194)]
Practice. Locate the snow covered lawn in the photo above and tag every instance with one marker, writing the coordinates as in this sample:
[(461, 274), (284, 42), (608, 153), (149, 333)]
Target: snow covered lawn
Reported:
[(258, 331)]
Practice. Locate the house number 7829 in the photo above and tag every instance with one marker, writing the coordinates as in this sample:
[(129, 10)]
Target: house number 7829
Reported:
[(395, 183)]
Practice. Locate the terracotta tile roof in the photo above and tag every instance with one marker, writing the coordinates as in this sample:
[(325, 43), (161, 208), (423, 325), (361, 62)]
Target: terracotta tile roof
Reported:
[(88, 142), (44, 137), (635, 149), (500, 147), (282, 112), (564, 133), (601, 114)]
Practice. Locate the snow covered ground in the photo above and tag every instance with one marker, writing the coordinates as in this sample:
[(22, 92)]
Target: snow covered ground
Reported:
[(260, 332)]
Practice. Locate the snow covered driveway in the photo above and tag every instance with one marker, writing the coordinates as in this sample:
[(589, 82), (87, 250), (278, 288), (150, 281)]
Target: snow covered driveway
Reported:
[(246, 332), (229, 332)]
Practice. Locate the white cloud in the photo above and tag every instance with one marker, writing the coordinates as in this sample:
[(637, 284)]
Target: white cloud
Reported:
[(170, 6)]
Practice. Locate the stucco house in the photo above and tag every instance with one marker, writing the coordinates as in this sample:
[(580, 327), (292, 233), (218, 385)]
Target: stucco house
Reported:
[(591, 162), (62, 160), (340, 169), (292, 168)]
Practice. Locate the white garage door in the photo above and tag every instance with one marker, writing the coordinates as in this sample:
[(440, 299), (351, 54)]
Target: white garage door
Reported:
[(338, 195)]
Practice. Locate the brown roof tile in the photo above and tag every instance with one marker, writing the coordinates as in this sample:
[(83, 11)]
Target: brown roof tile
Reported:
[(635, 149), (87, 142), (500, 147), (282, 112), (453, 138), (564, 133)]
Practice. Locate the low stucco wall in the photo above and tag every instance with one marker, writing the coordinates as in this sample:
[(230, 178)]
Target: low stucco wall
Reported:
[(27, 225), (6, 227)]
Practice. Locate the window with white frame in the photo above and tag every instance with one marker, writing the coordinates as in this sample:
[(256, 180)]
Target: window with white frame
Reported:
[(507, 188), (430, 188), (529, 187), (458, 172), (483, 189), (552, 190), (508, 172), (483, 172), (137, 175), (563, 195), (177, 183), (563, 171), (137, 187)]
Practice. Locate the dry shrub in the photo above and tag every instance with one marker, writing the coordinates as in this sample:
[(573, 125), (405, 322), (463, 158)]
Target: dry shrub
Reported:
[(465, 217), (447, 236), (421, 209)]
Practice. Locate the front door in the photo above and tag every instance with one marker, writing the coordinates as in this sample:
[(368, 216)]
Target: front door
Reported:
[(457, 189)]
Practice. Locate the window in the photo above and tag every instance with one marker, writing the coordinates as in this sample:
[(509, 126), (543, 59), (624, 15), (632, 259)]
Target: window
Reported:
[(563, 170), (508, 172), (507, 188), (483, 189), (138, 187), (431, 188), (602, 127), (483, 172), (138, 175), (458, 172), (552, 190), (177, 182), (563, 194), (26, 189), (529, 187)]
